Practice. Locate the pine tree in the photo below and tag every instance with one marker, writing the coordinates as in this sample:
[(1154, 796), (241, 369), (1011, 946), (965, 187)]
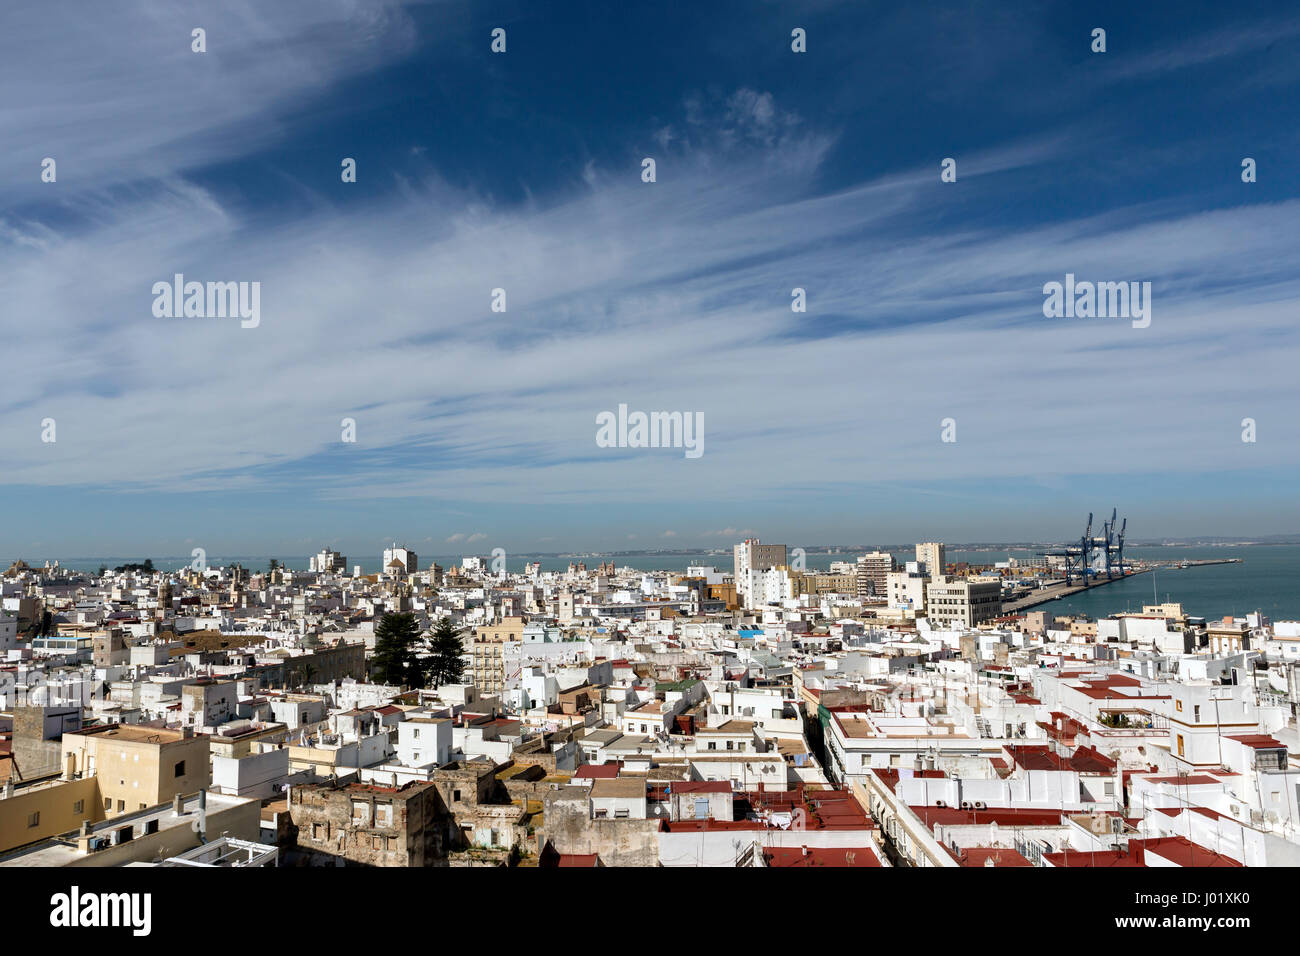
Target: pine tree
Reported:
[(393, 660), (444, 665)]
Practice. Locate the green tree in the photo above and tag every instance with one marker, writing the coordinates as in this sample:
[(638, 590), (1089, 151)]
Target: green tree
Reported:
[(394, 661), (444, 665)]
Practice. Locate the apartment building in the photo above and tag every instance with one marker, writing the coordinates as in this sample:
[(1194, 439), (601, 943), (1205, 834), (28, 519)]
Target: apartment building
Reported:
[(752, 555), (906, 588), (328, 561), (873, 574), (964, 601), (488, 653), (931, 554)]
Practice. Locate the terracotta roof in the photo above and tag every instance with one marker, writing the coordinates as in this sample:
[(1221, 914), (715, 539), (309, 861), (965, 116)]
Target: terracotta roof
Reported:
[(820, 856)]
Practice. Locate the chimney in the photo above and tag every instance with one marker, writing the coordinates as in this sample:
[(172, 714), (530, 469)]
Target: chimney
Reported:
[(178, 804)]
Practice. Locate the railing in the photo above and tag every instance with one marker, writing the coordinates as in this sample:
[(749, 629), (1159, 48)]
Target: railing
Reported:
[(1031, 850)]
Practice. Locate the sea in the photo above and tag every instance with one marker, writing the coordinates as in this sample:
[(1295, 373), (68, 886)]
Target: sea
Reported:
[(1266, 580)]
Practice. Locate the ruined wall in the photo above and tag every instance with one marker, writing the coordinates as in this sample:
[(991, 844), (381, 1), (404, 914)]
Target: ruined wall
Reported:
[(323, 826), (617, 842)]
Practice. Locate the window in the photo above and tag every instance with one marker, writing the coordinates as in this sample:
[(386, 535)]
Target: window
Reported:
[(1180, 745), (1196, 713), (34, 818), (416, 756), (415, 732), (180, 768), (383, 814), (601, 814), (455, 795), (121, 806), (618, 815), (361, 812), (713, 745), (79, 806), (701, 808)]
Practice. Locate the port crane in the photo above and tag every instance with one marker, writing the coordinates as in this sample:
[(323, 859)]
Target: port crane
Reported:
[(1093, 556)]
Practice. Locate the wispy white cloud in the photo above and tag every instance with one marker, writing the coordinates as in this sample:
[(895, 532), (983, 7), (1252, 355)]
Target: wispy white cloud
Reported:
[(668, 296)]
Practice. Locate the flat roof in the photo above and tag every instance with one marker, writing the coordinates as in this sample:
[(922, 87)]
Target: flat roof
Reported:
[(62, 850), (132, 733), (618, 787)]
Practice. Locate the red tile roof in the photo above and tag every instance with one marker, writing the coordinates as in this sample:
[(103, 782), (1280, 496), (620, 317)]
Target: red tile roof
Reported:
[(603, 771), (1184, 852), (1003, 816), (701, 786), (820, 856), (1257, 741), (980, 855)]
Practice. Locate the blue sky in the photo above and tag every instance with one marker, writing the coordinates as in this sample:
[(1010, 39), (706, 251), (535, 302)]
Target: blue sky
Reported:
[(522, 171)]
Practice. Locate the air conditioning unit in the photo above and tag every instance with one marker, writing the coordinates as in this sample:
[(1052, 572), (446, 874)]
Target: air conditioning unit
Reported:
[(979, 805), (965, 805), (940, 803)]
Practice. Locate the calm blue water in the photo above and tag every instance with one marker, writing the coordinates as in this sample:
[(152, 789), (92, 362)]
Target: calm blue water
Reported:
[(1268, 579)]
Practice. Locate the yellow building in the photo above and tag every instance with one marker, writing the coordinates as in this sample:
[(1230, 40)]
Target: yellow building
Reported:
[(488, 656), (137, 766), (46, 808)]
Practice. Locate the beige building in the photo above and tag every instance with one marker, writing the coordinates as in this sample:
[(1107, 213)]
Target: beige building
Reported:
[(146, 836), (46, 808), (824, 582), (137, 766), (964, 601), (932, 554), (488, 653)]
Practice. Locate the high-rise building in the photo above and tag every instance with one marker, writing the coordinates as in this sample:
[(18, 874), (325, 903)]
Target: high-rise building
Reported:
[(329, 562), (931, 554), (752, 555), (404, 556), (873, 574)]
